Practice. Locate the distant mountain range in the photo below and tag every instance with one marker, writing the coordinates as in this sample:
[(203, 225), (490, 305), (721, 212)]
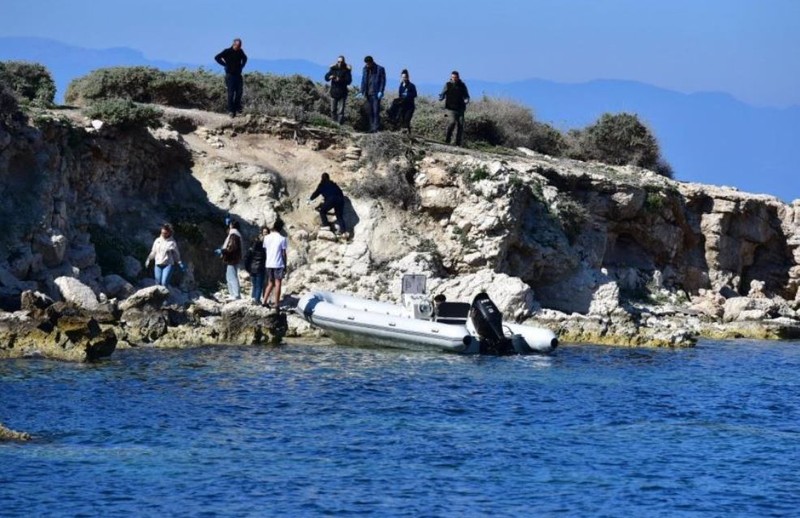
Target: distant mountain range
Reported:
[(706, 137)]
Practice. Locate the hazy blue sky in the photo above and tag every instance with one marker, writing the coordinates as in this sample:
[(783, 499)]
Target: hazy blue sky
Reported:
[(747, 48)]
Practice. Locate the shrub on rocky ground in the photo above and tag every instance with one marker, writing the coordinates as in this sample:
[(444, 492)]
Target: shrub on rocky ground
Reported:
[(619, 139), (124, 113), (395, 186), (288, 96), (8, 101), (30, 81), (185, 88), (134, 83), (382, 147)]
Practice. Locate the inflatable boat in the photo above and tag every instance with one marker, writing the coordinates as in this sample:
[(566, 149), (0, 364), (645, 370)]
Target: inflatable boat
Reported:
[(421, 324)]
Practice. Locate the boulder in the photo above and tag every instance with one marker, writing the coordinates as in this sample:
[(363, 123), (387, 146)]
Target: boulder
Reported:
[(116, 286), (75, 292), (246, 323), (51, 247), (151, 297), (514, 298), (7, 434)]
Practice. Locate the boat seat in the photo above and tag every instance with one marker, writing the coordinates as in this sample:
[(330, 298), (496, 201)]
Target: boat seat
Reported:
[(452, 312)]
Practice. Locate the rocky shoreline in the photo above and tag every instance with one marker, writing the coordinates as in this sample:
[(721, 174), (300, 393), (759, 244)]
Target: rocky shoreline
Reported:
[(600, 254)]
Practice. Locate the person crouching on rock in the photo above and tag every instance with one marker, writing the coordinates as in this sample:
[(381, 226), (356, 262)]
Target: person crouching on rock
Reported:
[(165, 254), (333, 198), (231, 253), (255, 264), (275, 245)]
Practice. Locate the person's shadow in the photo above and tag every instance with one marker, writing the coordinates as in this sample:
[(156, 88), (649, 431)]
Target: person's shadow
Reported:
[(351, 218)]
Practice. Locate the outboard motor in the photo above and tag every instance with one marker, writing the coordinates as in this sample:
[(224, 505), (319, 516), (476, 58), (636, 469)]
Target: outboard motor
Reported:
[(488, 322)]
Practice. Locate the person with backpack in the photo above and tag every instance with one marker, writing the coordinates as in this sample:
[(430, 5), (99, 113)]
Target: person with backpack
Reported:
[(233, 59), (255, 263), (456, 97), (340, 77), (231, 254)]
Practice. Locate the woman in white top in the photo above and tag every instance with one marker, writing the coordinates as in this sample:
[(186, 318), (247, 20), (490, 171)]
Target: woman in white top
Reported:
[(165, 254)]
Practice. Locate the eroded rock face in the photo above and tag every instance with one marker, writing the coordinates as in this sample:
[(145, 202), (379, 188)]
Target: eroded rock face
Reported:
[(578, 239)]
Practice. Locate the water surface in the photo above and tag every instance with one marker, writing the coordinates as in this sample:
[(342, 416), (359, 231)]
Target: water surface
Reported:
[(325, 430)]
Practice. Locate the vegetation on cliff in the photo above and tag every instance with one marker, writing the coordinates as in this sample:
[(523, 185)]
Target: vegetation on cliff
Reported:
[(31, 82), (616, 139)]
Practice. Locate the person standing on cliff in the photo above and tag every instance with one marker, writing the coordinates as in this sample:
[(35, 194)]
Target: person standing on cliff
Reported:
[(406, 93), (340, 77), (333, 198), (275, 245), (373, 83), (456, 97), (231, 254), (233, 59), (165, 254)]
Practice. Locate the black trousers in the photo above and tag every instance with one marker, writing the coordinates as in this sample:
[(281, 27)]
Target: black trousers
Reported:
[(235, 85)]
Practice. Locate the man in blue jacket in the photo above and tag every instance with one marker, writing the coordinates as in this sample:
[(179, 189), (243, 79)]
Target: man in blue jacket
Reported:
[(333, 199), (373, 82), (233, 59)]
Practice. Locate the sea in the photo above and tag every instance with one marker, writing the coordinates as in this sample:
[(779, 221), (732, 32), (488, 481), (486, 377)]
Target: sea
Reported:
[(314, 429)]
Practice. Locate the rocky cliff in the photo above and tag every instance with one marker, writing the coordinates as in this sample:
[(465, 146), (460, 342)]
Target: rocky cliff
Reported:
[(598, 253)]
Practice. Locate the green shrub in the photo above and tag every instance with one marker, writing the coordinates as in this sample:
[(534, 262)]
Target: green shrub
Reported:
[(124, 113), (285, 96), (382, 147), (470, 173), (30, 81), (8, 101), (618, 139), (134, 83), (396, 186), (572, 215), (184, 88)]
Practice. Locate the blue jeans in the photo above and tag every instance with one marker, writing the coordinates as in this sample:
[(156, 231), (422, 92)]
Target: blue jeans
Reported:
[(162, 274), (374, 110), (235, 86), (232, 276), (258, 285)]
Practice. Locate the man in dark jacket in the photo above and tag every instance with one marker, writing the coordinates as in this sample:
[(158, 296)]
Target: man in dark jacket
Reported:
[(233, 59), (373, 82), (340, 78), (456, 97), (333, 198)]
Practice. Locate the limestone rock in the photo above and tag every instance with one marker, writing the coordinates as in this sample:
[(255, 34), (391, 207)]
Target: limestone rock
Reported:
[(7, 434), (75, 292), (514, 298), (151, 297)]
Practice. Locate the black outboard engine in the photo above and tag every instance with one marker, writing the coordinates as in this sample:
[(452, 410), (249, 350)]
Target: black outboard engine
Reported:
[(488, 322)]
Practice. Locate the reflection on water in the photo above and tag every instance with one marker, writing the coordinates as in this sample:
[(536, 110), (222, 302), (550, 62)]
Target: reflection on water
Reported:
[(307, 429)]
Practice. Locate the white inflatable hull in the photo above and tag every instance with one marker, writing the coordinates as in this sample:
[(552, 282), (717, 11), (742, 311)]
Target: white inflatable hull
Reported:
[(354, 321)]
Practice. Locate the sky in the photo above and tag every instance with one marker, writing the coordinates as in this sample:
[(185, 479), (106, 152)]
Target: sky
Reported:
[(747, 48)]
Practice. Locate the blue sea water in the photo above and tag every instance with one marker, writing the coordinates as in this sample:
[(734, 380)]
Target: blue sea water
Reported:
[(309, 430)]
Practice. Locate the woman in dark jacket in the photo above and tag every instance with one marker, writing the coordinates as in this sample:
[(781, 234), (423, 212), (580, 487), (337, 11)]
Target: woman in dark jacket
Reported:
[(255, 264), (406, 93), (340, 78)]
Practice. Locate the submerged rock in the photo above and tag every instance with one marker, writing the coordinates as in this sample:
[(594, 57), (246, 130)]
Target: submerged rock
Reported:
[(7, 434)]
